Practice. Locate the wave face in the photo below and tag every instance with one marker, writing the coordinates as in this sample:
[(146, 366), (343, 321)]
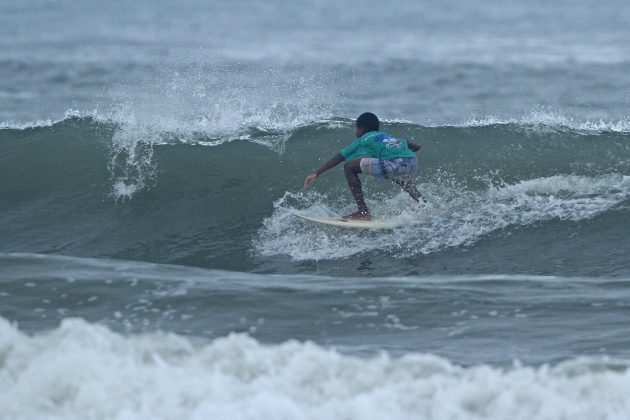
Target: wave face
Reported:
[(81, 369), (527, 196)]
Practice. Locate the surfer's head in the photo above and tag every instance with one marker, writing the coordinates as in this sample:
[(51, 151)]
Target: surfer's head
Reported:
[(367, 122)]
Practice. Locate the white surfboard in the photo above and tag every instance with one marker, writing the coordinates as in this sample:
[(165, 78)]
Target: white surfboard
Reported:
[(378, 223)]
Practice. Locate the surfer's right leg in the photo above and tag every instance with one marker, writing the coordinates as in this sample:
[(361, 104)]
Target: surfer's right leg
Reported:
[(352, 170)]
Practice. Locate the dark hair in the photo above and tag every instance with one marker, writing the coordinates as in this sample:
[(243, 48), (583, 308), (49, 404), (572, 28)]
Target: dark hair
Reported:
[(368, 122)]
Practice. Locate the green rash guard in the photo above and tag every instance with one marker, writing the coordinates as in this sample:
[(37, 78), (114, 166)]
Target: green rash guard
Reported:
[(376, 144)]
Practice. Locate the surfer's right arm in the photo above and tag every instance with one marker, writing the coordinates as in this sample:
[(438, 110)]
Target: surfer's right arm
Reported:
[(334, 161)]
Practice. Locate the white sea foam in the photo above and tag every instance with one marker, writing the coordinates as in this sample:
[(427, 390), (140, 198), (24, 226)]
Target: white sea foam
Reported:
[(549, 120), (453, 217), (232, 120), (81, 370), (223, 103), (17, 125), (49, 122)]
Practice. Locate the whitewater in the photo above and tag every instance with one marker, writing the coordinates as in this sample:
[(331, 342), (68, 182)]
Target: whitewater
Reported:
[(79, 371)]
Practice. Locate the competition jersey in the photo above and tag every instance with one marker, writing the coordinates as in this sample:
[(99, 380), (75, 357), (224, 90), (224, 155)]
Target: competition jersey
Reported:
[(376, 144)]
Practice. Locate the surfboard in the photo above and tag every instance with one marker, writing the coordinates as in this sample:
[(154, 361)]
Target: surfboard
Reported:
[(378, 223)]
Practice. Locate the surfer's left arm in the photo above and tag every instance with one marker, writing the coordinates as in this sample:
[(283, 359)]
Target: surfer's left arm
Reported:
[(332, 162), (414, 147)]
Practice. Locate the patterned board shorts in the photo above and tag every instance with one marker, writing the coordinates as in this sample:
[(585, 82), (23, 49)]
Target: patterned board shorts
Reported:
[(389, 168)]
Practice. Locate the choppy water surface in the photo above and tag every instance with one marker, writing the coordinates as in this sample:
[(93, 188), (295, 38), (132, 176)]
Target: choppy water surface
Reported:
[(152, 156)]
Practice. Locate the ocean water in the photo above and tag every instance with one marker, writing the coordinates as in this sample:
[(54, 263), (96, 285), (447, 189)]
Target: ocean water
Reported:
[(151, 158)]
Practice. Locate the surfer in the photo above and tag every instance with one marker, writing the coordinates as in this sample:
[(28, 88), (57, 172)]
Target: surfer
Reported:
[(377, 154)]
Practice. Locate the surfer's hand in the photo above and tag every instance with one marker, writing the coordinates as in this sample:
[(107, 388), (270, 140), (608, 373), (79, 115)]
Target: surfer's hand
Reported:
[(310, 179)]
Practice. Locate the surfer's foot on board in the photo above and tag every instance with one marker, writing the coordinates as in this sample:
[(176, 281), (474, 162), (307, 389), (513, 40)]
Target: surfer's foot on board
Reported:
[(358, 215)]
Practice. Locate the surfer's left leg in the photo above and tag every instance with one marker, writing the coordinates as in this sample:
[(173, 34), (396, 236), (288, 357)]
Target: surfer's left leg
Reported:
[(409, 187), (352, 170)]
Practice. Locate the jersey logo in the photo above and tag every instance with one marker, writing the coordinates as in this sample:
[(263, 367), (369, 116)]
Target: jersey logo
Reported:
[(389, 141)]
